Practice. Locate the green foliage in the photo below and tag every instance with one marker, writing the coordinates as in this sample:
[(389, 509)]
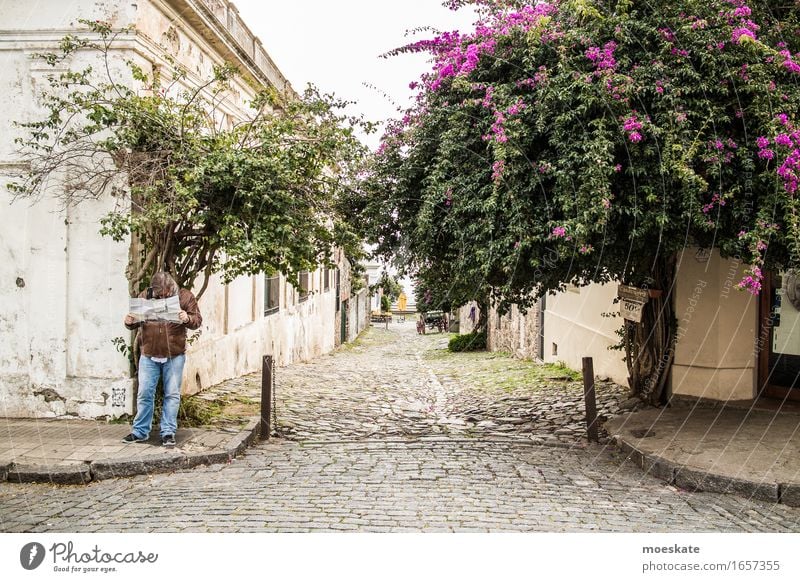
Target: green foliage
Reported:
[(386, 304), (390, 284), (517, 176), (200, 192), (123, 347), (470, 342), (562, 370), (580, 141)]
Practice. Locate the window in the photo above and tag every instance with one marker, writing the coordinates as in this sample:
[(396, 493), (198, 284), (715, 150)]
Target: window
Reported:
[(327, 279), (305, 284), (272, 287)]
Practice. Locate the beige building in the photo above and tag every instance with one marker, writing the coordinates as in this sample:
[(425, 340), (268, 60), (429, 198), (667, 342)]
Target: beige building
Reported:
[(731, 346), (63, 291)]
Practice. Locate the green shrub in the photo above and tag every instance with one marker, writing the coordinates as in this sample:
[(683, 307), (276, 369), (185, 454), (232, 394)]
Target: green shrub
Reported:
[(469, 342)]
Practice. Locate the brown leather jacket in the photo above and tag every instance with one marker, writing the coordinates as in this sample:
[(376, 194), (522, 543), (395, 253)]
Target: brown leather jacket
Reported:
[(162, 339)]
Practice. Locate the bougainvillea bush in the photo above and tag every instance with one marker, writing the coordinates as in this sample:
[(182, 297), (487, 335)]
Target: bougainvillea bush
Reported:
[(580, 141)]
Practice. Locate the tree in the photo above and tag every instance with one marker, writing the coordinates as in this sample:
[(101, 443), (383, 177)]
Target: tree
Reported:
[(390, 284), (584, 141), (197, 192)]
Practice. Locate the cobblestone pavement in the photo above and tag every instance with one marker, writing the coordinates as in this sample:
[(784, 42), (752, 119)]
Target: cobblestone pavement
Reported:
[(393, 434), (422, 486), (396, 384)]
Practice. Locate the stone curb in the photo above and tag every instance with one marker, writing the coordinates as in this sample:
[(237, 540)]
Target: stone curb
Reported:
[(692, 479), (161, 463), (77, 474), (790, 494), (83, 473), (244, 438)]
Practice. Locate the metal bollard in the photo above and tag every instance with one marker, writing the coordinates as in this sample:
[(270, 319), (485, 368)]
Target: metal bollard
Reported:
[(266, 397), (590, 400)]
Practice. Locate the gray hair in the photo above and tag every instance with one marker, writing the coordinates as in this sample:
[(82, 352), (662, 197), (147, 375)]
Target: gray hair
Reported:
[(163, 285)]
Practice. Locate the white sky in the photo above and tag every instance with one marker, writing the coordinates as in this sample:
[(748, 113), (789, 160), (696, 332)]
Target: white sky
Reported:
[(336, 44)]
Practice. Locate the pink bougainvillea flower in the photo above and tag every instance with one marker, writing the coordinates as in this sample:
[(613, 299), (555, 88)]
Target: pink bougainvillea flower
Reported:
[(497, 170), (743, 34)]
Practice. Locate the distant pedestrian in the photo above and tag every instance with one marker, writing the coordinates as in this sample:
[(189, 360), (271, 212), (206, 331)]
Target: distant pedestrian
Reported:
[(163, 354)]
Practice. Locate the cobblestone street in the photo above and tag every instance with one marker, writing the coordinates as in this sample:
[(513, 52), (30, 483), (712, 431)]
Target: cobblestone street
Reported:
[(395, 384), (395, 434)]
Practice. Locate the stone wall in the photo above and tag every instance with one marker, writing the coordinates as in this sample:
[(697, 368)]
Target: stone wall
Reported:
[(515, 332)]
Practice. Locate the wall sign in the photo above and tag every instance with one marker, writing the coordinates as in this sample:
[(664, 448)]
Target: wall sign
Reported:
[(632, 301)]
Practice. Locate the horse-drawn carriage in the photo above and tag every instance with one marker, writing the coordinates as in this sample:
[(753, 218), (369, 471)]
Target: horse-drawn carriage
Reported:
[(432, 320)]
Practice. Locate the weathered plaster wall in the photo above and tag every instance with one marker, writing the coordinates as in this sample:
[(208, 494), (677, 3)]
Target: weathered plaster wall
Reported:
[(715, 352), (358, 318), (299, 331), (61, 286), (574, 328), (63, 292), (465, 324)]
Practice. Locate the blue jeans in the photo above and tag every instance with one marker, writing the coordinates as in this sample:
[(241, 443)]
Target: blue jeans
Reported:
[(171, 373)]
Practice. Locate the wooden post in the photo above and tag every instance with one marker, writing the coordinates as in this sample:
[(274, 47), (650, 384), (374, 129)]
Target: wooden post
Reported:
[(590, 400), (266, 397)]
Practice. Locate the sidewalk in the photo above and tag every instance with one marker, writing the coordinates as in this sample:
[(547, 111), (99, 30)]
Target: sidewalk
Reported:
[(752, 451), (73, 452)]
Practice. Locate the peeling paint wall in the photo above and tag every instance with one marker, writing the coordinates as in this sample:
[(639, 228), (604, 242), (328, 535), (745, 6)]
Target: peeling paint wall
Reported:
[(236, 334), (63, 291), (61, 286)]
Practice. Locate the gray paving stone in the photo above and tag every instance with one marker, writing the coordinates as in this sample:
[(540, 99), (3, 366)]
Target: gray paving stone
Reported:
[(657, 467), (206, 458)]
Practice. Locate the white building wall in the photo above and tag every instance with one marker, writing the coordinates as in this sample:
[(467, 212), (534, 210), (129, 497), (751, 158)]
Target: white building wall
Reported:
[(63, 291), (61, 286), (299, 331)]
